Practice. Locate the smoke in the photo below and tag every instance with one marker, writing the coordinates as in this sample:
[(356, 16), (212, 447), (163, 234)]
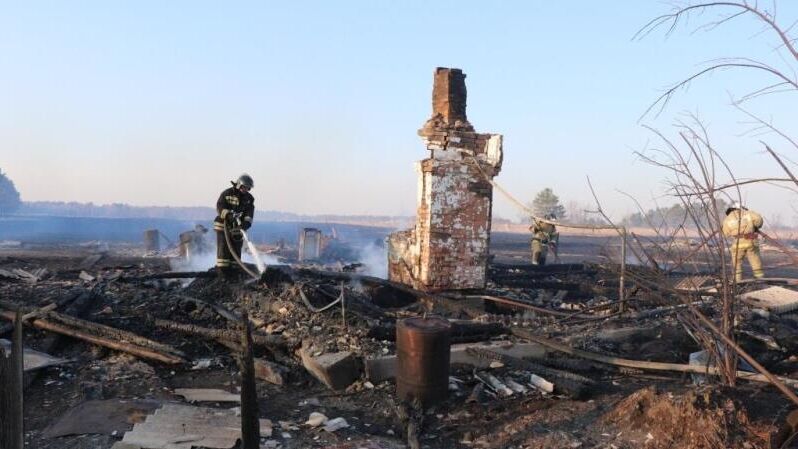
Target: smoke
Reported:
[(206, 260), (375, 260), (197, 262)]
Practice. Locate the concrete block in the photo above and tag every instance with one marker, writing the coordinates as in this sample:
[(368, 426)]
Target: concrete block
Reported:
[(336, 370)]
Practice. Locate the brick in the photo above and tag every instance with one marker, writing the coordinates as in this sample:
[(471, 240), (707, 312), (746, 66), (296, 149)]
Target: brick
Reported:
[(336, 370)]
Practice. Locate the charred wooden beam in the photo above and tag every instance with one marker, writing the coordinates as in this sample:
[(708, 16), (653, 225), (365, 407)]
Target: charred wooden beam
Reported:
[(12, 429), (111, 333), (643, 364), (171, 275), (135, 350), (222, 335), (526, 282), (250, 424)]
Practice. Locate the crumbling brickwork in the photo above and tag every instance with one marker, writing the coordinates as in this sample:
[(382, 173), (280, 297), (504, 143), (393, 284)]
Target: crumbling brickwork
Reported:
[(448, 247)]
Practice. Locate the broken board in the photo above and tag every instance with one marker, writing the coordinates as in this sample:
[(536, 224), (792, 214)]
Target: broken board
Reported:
[(207, 395), (108, 417), (773, 299), (176, 426), (34, 360)]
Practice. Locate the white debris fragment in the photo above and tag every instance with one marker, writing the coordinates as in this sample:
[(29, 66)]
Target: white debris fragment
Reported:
[(515, 386), (335, 424), (310, 402), (498, 386), (541, 383), (202, 364), (266, 428), (287, 425), (316, 419)]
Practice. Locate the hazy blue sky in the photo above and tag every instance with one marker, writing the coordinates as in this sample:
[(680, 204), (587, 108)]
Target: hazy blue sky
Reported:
[(161, 103)]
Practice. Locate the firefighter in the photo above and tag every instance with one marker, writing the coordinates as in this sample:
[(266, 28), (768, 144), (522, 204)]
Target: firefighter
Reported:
[(543, 235), (235, 209), (742, 226), (192, 243)]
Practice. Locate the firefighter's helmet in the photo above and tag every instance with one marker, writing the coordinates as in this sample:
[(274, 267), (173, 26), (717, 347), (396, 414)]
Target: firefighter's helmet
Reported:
[(735, 206), (246, 181)]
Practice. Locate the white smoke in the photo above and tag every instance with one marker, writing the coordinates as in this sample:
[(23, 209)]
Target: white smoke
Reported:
[(207, 259), (375, 260), (197, 262)]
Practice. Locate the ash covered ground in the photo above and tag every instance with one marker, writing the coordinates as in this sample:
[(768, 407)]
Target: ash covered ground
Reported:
[(571, 302)]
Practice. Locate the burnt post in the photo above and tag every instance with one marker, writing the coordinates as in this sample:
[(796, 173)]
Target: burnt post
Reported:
[(152, 240), (250, 423), (12, 430)]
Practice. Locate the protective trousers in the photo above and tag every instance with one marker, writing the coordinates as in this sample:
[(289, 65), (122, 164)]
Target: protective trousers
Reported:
[(224, 258), (539, 251), (745, 248)]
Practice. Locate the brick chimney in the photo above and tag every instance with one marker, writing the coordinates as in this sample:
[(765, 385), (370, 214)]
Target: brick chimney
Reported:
[(449, 95)]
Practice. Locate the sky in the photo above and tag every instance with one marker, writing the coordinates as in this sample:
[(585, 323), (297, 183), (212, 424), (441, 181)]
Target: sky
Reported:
[(162, 103)]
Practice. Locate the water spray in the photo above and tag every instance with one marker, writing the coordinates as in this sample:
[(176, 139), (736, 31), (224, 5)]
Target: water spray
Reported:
[(254, 252)]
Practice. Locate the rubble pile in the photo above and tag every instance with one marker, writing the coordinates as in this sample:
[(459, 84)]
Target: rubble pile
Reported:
[(325, 358)]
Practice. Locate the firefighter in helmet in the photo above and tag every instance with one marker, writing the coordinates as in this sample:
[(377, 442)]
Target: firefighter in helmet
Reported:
[(543, 234), (235, 208), (742, 226)]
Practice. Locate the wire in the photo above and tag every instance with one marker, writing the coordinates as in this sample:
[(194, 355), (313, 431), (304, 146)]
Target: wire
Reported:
[(321, 309)]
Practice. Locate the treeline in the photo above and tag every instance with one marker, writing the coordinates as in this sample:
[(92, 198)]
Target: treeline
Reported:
[(675, 215), (121, 210)]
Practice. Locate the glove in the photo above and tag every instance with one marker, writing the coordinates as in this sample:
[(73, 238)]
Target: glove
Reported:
[(235, 218), (246, 225)]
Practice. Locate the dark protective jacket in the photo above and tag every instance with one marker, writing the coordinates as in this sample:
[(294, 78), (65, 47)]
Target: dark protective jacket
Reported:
[(232, 201)]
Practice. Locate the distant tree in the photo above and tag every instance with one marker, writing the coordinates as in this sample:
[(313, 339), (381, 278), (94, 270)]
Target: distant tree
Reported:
[(9, 196), (546, 202), (675, 215)]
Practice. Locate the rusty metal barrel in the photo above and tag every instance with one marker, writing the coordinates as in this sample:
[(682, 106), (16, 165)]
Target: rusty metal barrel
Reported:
[(422, 365), (152, 240)]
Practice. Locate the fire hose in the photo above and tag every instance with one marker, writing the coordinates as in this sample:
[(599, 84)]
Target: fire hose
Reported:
[(231, 250), (789, 252)]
